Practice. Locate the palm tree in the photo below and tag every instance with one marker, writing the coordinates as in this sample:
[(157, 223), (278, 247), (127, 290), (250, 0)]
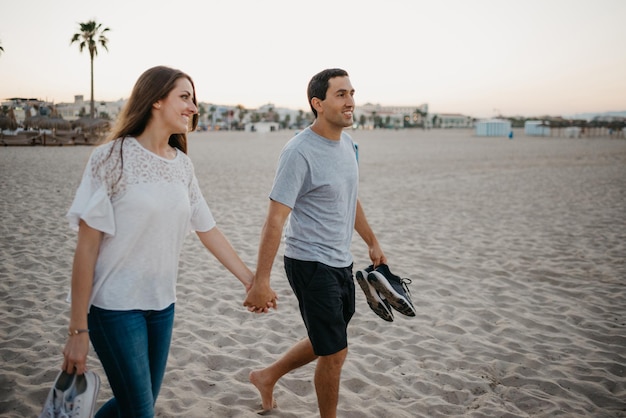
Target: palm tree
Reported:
[(91, 34), (242, 114), (422, 114), (212, 110)]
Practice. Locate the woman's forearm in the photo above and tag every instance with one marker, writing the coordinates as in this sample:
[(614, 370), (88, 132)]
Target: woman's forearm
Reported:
[(215, 241), (85, 257)]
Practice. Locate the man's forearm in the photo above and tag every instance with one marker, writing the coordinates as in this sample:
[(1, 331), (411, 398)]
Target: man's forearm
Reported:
[(268, 248), (362, 227)]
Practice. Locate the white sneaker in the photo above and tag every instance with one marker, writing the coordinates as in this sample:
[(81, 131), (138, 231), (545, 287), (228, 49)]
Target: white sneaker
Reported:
[(80, 400), (54, 402)]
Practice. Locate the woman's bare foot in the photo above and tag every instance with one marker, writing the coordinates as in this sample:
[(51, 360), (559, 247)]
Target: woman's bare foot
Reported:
[(265, 388)]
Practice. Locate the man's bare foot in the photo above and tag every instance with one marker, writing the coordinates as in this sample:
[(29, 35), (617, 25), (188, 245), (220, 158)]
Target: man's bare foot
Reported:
[(265, 388)]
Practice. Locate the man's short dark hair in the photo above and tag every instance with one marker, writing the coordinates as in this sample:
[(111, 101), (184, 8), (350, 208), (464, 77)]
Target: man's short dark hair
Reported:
[(318, 86)]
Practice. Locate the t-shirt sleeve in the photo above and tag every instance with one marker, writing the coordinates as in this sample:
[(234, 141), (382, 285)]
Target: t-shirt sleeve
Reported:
[(92, 203), (290, 178)]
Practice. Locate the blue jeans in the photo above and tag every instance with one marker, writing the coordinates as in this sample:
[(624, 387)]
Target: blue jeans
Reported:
[(133, 347)]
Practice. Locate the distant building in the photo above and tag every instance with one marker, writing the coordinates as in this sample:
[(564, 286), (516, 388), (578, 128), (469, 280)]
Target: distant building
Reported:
[(23, 107), (220, 117), (493, 127), (572, 132), (536, 128), (73, 111), (449, 120), (69, 111), (374, 115), (262, 127), (216, 117)]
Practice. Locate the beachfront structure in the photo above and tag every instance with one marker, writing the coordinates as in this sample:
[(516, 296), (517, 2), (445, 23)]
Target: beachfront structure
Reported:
[(369, 116), (225, 117), (493, 127), (262, 127), (449, 120), (80, 108), (24, 108), (573, 132), (536, 128), (216, 117)]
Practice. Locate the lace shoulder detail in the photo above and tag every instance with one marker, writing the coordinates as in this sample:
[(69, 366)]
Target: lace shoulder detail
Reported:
[(124, 162)]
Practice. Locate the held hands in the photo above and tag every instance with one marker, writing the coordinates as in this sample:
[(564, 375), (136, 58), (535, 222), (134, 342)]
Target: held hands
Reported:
[(261, 298)]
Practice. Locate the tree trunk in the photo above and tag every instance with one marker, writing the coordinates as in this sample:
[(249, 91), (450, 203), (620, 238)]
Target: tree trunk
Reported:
[(92, 103)]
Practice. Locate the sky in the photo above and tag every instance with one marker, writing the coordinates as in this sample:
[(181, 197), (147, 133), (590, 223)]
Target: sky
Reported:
[(479, 58)]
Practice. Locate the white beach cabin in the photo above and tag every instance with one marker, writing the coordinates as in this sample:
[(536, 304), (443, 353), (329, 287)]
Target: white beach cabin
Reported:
[(493, 127), (572, 132), (536, 128), (262, 127)]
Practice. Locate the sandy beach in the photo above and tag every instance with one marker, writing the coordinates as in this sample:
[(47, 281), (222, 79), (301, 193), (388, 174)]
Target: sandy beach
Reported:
[(516, 250)]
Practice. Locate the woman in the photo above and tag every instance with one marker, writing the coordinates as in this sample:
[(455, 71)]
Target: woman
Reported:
[(137, 200)]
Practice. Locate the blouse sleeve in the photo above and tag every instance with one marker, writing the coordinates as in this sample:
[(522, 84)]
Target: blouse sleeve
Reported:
[(92, 202)]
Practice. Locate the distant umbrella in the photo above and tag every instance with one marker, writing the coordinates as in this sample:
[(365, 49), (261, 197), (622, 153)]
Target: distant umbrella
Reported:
[(32, 122), (8, 121), (55, 123), (47, 122), (93, 130), (89, 124)]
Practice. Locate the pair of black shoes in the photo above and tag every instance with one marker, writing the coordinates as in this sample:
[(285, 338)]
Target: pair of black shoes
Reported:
[(384, 291)]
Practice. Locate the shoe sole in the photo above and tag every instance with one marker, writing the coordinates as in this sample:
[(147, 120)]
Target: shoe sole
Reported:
[(96, 388), (375, 304), (396, 300)]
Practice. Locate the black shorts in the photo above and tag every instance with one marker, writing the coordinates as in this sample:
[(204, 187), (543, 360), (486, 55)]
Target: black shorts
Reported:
[(326, 299)]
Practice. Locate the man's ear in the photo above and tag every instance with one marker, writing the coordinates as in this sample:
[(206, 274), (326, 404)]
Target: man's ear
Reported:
[(316, 103)]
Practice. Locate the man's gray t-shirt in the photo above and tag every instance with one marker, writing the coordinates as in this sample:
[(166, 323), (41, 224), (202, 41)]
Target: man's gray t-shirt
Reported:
[(318, 179)]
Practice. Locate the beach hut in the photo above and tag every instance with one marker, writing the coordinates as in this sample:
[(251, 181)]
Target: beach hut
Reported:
[(572, 132), (536, 128), (262, 127), (493, 127)]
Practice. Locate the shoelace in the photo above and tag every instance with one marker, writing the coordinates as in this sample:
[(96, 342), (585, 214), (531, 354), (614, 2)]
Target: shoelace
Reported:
[(56, 414), (405, 282), (71, 409), (53, 414), (54, 410)]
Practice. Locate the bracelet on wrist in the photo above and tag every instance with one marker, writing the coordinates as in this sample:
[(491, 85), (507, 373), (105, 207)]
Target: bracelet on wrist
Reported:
[(75, 331)]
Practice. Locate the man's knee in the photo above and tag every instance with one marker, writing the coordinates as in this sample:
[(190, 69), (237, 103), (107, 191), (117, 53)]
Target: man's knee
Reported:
[(335, 360)]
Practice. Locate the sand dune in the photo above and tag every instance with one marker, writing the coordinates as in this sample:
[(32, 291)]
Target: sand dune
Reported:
[(516, 250)]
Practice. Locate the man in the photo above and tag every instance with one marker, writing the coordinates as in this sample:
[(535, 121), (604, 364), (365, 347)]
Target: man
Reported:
[(316, 183)]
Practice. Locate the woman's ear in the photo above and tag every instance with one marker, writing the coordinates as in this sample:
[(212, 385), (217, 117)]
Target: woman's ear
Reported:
[(157, 105)]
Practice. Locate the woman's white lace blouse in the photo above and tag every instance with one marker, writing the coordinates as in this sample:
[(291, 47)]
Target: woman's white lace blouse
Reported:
[(145, 215)]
